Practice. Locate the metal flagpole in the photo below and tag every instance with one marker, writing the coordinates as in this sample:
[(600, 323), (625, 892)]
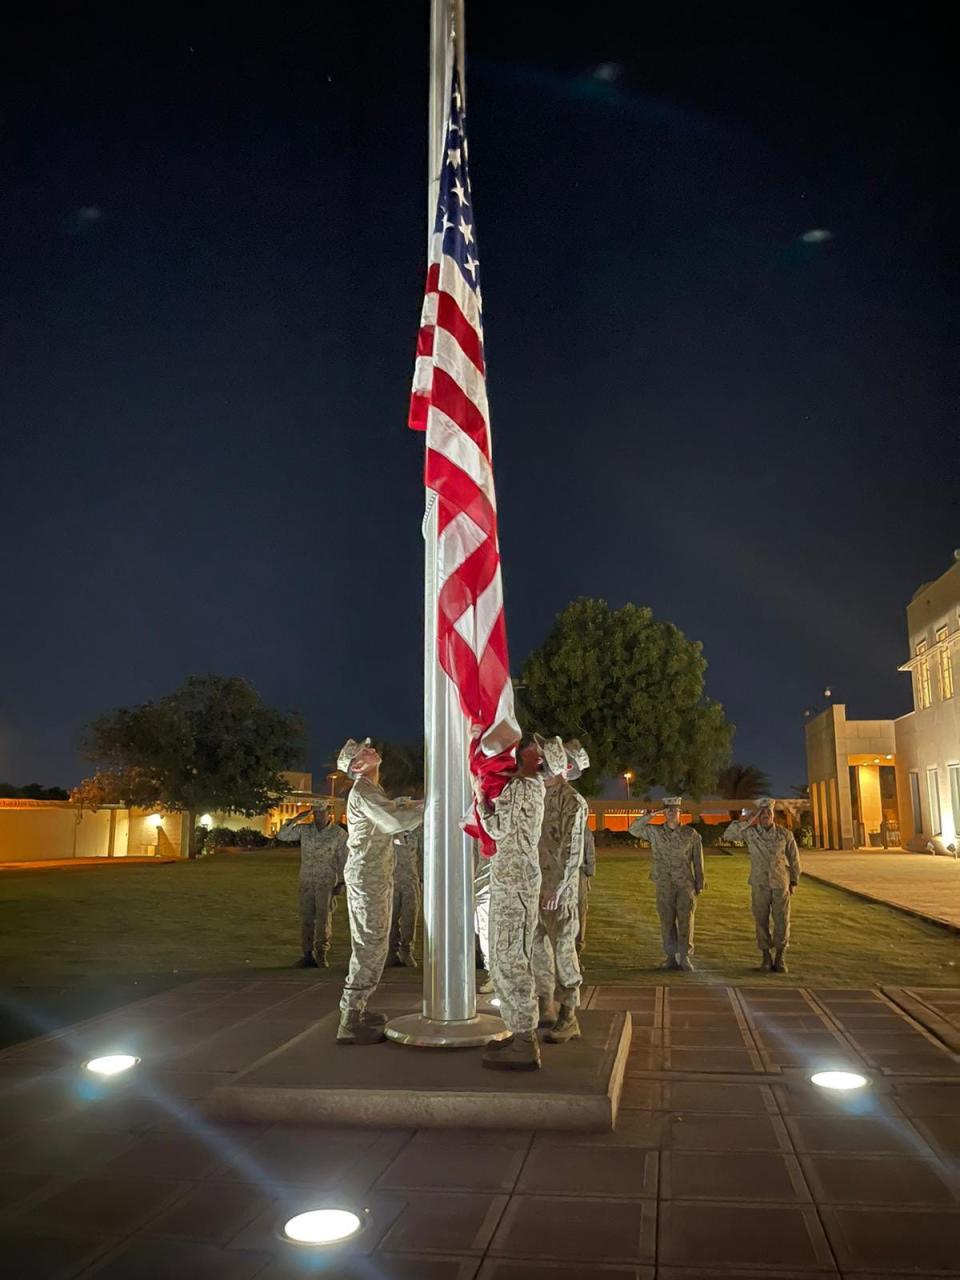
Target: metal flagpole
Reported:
[(449, 1012)]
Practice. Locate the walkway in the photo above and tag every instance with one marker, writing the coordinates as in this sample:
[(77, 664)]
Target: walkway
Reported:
[(724, 1161), (916, 882)]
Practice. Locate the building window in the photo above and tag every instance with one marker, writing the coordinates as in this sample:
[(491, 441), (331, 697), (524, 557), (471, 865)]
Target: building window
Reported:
[(954, 774), (933, 791), (924, 697), (915, 801), (944, 664)]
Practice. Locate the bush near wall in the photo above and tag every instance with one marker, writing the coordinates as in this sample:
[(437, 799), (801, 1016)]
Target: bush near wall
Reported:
[(227, 838)]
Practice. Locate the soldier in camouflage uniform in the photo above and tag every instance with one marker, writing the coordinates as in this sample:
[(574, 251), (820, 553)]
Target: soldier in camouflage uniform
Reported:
[(373, 819), (407, 896), (556, 968), (774, 876), (587, 872), (481, 916), (514, 821), (676, 869), (323, 852)]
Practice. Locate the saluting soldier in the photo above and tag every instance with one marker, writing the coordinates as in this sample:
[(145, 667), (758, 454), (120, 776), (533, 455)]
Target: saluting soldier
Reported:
[(774, 876), (407, 896), (676, 869), (323, 854)]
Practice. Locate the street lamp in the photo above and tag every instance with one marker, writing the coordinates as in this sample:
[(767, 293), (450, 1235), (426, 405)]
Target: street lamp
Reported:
[(627, 779)]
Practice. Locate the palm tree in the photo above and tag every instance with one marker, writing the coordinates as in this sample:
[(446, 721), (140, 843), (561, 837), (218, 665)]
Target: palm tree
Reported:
[(742, 782)]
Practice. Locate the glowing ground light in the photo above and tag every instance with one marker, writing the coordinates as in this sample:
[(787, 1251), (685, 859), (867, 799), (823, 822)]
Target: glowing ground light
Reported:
[(495, 1001), (323, 1226), (838, 1080), (112, 1064)]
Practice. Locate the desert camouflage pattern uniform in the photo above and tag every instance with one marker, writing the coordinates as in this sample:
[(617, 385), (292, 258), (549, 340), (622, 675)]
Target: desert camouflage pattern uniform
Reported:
[(407, 888), (373, 819), (323, 853), (514, 823), (676, 869), (587, 871), (774, 867), (481, 904), (556, 968)]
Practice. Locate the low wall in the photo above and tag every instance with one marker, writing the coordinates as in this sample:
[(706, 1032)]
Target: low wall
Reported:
[(52, 830)]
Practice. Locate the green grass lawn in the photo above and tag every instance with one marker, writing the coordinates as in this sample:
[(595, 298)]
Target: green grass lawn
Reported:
[(72, 942)]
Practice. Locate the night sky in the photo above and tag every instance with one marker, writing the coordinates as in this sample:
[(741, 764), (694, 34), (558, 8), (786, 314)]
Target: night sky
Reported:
[(213, 240)]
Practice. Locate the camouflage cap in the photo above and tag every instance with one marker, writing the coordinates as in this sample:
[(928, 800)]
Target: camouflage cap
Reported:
[(765, 802), (673, 802), (554, 755), (348, 752), (577, 758)]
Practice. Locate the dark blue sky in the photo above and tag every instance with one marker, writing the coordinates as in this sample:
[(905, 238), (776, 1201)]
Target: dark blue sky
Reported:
[(212, 250)]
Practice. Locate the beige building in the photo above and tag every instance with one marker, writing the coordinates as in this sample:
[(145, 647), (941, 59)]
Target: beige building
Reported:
[(55, 830), (896, 783)]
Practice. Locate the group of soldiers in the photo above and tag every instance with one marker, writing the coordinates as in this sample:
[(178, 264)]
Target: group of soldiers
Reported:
[(531, 896), (676, 869)]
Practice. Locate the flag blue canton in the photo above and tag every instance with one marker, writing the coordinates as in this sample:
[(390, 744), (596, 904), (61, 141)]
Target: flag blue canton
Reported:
[(455, 201)]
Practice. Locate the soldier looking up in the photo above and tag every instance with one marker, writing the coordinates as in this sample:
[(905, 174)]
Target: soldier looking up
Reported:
[(373, 819)]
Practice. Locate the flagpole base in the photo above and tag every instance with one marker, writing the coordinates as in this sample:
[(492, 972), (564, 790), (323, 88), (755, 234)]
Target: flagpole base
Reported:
[(415, 1029)]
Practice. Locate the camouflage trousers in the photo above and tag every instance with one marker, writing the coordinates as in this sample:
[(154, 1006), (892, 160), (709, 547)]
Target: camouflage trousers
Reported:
[(675, 907), (556, 969), (369, 903), (583, 906), (481, 909), (766, 903), (407, 898), (316, 913), (513, 927)]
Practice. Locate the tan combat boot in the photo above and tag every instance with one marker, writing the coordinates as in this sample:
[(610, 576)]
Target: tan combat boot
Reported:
[(406, 957), (779, 964), (486, 987), (522, 1053), (766, 961), (357, 1027), (548, 1011), (567, 1027)]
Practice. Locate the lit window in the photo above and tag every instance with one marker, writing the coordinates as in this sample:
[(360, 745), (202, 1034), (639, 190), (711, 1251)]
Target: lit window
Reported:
[(933, 790), (915, 803), (954, 772), (944, 664), (924, 696)]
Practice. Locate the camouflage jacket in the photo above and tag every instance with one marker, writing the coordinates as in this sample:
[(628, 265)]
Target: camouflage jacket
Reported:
[(561, 840), (408, 855), (323, 850), (373, 819), (676, 855), (514, 823), (774, 860)]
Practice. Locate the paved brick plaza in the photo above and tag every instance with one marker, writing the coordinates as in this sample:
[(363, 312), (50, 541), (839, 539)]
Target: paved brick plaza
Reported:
[(718, 1167)]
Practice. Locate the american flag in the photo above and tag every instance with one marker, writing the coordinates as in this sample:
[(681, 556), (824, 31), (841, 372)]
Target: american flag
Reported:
[(449, 402)]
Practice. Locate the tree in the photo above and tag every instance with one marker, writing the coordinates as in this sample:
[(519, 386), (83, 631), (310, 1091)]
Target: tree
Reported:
[(211, 745), (631, 688), (402, 770), (32, 791), (742, 782)]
